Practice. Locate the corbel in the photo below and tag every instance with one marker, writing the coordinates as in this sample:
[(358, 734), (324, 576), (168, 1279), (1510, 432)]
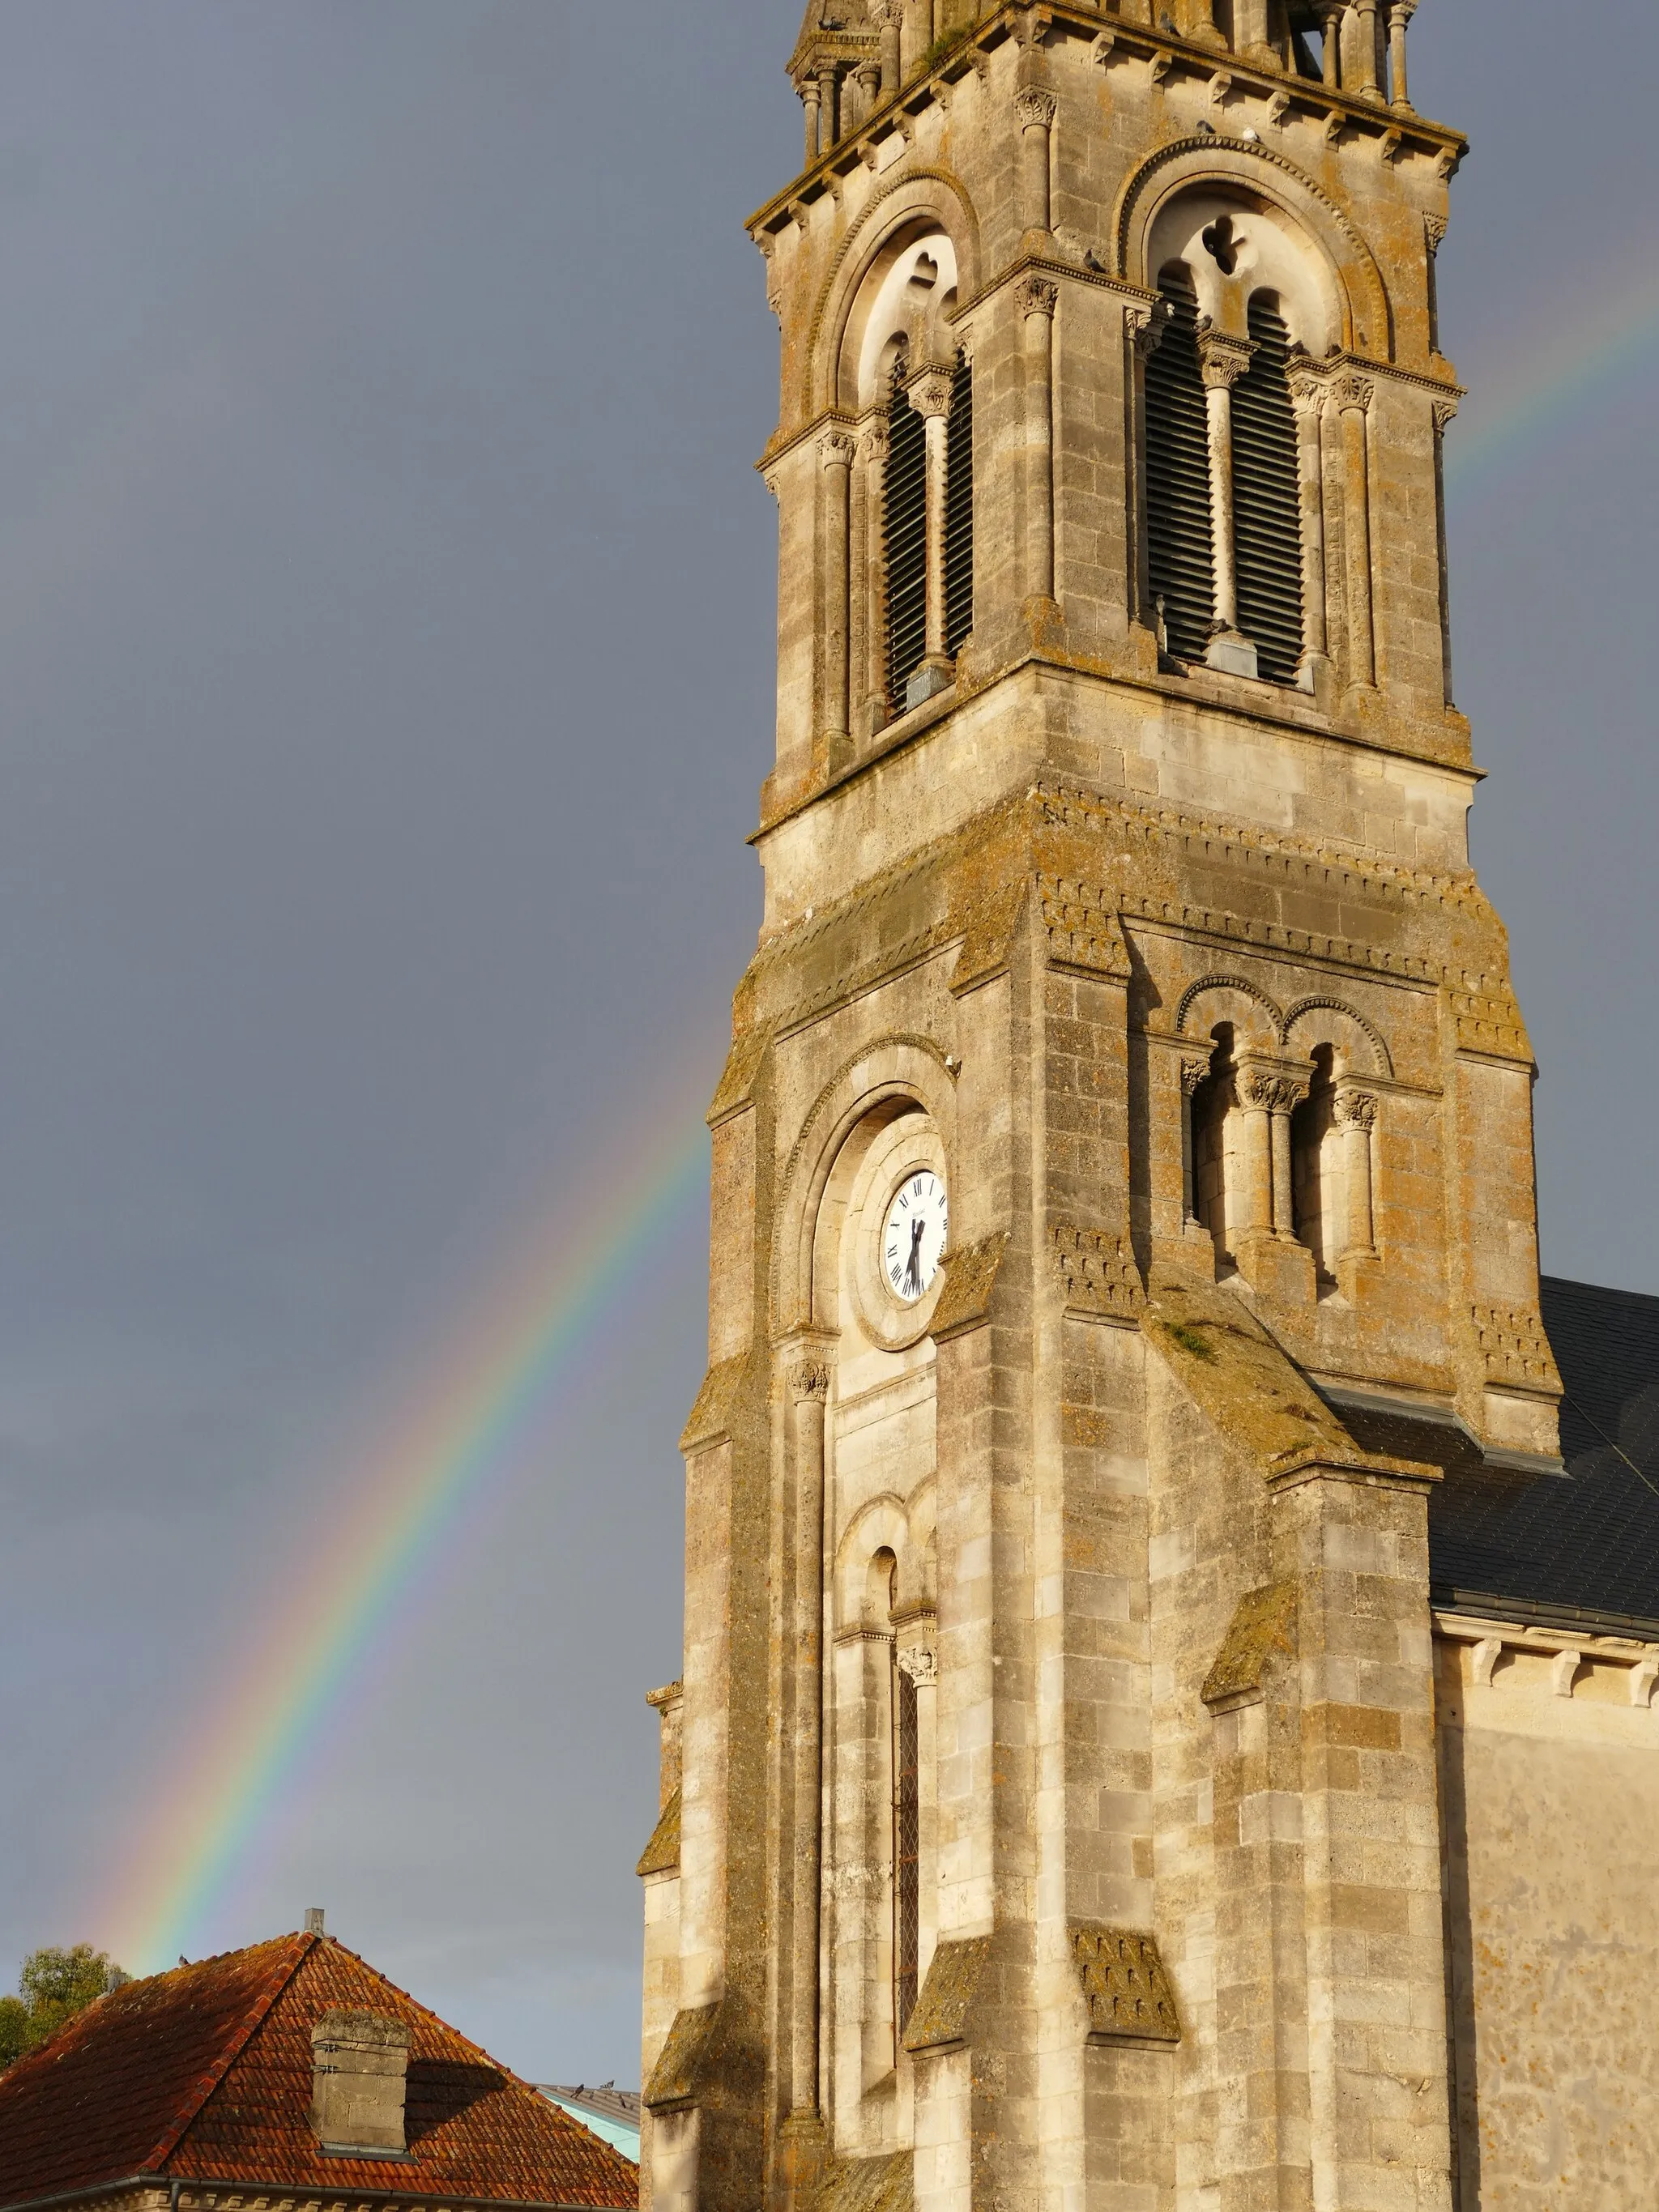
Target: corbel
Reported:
[(1278, 106), (1220, 85), (1643, 1676), (1390, 146), (1563, 1667), (1159, 65), (1335, 122), (1103, 48)]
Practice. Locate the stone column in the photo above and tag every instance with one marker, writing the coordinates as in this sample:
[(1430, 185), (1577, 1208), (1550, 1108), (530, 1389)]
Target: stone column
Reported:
[(1274, 1095), (871, 663), (1308, 397), (1037, 112), (810, 98), (809, 1393), (1222, 361), (1359, 69), (1258, 1090), (868, 77), (1444, 411), (916, 35), (1353, 397), (1356, 1116), (835, 453), (828, 127), (1330, 13), (1037, 300), (1400, 14), (930, 394), (886, 15)]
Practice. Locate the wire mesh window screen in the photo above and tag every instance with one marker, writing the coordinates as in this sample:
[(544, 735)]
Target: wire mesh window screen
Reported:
[(907, 1848), (1179, 555), (1267, 504), (959, 513), (905, 530)]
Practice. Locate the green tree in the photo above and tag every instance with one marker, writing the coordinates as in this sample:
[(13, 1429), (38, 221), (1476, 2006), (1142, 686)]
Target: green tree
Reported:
[(54, 1986)]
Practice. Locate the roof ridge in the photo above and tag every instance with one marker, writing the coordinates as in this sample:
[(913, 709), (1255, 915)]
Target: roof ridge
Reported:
[(293, 1954), (1602, 1290), (427, 2013)]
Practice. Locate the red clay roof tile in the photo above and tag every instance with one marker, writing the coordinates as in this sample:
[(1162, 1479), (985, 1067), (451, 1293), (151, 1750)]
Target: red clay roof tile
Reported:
[(204, 2074)]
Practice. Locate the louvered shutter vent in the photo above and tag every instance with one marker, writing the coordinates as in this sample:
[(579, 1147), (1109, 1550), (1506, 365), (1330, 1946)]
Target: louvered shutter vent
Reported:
[(1267, 510), (959, 513), (906, 542), (1178, 477)]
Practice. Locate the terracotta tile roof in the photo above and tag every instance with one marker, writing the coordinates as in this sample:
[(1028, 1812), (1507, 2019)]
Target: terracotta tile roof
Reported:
[(204, 2074)]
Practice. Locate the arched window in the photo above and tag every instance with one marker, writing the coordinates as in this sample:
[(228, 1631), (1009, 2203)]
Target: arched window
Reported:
[(1215, 1124), (1267, 503), (906, 536), (1179, 545), (913, 628), (1317, 1184)]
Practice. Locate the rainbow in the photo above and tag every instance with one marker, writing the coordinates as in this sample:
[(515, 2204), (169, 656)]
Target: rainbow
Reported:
[(1572, 352), (491, 1395)]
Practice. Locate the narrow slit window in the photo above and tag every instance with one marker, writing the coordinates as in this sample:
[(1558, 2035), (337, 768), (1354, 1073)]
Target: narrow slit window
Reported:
[(959, 511), (1179, 544), (906, 536), (907, 1847), (1266, 499)]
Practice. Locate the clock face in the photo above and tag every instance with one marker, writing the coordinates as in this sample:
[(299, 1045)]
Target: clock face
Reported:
[(913, 1236)]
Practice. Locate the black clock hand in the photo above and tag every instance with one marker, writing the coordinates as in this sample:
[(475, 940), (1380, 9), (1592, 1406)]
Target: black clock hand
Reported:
[(913, 1272)]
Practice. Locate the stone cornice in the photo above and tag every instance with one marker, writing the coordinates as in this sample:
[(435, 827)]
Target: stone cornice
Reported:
[(1142, 42)]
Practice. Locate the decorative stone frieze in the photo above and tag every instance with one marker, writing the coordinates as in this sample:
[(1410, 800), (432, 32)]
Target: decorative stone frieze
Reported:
[(1514, 1348), (1124, 1985), (970, 1276), (1097, 1273), (1083, 928), (943, 2015)]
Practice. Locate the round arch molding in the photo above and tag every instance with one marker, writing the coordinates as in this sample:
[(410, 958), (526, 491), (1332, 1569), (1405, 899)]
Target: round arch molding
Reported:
[(1367, 312), (901, 1068), (925, 194)]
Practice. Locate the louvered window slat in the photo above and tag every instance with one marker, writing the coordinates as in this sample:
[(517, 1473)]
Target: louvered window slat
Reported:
[(959, 513), (1267, 510), (905, 527), (1178, 478)]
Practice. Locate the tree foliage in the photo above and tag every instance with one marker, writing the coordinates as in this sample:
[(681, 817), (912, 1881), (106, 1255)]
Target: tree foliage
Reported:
[(54, 1986)]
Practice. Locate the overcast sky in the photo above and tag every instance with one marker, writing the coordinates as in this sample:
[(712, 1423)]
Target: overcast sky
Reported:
[(385, 623)]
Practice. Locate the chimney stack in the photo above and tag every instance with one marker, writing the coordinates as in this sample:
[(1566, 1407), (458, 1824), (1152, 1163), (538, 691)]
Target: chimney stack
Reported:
[(358, 2074), (314, 1919)]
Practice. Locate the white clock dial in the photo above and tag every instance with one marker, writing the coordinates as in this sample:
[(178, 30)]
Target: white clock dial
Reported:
[(913, 1236)]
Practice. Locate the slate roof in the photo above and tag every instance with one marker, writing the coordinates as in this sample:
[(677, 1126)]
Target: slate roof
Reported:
[(204, 2074), (1572, 1550)]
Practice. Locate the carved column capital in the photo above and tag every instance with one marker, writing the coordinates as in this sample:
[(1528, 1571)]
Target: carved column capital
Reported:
[(1035, 295), (1146, 326), (930, 391), (873, 439), (1401, 11), (1309, 387), (835, 450), (1444, 409), (1354, 394), (1193, 1073), (1036, 110), (1223, 359), (1265, 1084), (809, 1381), (1356, 1109), (1434, 233), (920, 1664)]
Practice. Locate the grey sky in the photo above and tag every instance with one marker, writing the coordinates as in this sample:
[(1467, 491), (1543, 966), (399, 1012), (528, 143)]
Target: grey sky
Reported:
[(386, 612)]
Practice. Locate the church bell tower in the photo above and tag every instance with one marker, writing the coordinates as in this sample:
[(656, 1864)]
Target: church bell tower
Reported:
[(1125, 1148)]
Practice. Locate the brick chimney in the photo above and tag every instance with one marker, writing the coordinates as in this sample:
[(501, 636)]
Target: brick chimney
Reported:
[(359, 2074)]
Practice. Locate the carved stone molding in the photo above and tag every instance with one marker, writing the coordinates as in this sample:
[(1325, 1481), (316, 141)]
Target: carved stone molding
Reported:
[(920, 1664), (1097, 1273), (1124, 1985), (1035, 295), (1489, 1020), (1514, 1348), (1083, 928)]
